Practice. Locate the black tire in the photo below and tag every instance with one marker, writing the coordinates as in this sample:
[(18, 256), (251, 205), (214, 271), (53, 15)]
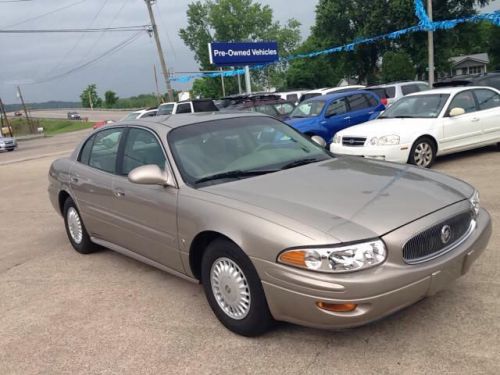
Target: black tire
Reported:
[(258, 319), (83, 245), (12, 149), (423, 153)]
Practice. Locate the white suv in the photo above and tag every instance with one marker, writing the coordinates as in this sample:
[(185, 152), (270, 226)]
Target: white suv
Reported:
[(391, 92)]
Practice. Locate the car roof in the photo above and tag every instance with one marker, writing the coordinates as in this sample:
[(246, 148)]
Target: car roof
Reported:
[(400, 83), (176, 121), (335, 95), (447, 90)]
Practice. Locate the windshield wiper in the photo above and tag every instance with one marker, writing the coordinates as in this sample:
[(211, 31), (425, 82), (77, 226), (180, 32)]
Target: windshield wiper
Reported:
[(404, 116), (298, 163), (237, 174)]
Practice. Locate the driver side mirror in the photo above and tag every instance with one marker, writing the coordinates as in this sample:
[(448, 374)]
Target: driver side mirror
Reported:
[(457, 111), (151, 174), (319, 140)]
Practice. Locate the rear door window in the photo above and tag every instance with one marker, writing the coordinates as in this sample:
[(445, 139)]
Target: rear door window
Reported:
[(183, 108), (337, 107), (487, 99), (358, 102), (85, 152), (105, 150), (409, 89), (371, 100)]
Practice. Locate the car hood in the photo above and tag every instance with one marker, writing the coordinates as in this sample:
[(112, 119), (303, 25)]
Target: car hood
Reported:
[(299, 122), (347, 198), (6, 139), (387, 126)]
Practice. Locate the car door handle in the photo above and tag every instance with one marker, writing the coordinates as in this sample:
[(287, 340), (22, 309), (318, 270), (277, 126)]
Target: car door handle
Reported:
[(74, 179), (119, 193), (347, 118), (475, 119), (371, 112)]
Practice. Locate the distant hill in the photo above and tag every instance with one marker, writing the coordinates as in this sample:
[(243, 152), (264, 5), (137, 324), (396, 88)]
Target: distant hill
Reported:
[(46, 105)]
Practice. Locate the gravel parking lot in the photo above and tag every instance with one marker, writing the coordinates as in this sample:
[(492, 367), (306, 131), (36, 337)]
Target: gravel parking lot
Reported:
[(62, 312)]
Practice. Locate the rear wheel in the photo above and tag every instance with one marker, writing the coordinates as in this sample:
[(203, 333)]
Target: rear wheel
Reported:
[(233, 289), (423, 153), (77, 234)]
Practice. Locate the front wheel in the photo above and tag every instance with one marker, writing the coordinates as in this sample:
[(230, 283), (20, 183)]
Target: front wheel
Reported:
[(423, 153), (233, 289)]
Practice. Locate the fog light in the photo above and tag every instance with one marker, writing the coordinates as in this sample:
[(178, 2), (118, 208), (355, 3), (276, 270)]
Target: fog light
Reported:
[(337, 307)]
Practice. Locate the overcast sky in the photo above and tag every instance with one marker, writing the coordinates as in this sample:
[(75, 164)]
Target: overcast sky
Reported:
[(26, 58)]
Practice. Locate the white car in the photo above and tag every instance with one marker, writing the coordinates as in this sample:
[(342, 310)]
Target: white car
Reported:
[(143, 113), (392, 92), (421, 126)]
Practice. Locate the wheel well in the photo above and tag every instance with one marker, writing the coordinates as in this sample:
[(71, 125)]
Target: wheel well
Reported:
[(430, 137), (63, 195), (198, 247)]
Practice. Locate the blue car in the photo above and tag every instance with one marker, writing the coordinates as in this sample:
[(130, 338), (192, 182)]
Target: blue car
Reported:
[(326, 115)]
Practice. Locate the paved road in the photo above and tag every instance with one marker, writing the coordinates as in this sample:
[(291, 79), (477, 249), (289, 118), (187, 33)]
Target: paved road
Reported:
[(62, 312), (96, 115)]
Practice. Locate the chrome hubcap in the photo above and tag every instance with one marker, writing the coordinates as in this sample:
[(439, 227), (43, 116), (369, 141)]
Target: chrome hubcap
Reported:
[(230, 288), (423, 154), (74, 225)]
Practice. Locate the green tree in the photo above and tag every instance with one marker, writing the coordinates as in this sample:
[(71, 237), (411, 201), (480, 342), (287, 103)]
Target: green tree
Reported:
[(235, 20), (110, 98), (90, 94), (397, 66), (340, 22)]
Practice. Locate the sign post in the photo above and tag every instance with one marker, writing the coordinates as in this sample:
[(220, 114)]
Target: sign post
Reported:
[(243, 54)]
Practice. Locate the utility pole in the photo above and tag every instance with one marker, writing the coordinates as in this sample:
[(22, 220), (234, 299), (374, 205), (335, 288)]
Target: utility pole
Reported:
[(430, 44), (222, 79), (160, 50), (248, 81), (90, 102), (3, 115), (30, 123), (158, 95)]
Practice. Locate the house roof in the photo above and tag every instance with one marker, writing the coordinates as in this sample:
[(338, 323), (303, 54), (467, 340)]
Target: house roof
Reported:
[(479, 57)]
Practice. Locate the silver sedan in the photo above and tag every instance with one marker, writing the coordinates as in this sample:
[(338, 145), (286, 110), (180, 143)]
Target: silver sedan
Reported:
[(273, 225)]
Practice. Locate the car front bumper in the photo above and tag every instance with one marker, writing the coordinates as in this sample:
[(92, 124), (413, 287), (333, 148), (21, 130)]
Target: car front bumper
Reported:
[(292, 293), (396, 153), (8, 147)]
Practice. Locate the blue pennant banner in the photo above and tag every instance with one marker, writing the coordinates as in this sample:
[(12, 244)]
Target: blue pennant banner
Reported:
[(425, 24)]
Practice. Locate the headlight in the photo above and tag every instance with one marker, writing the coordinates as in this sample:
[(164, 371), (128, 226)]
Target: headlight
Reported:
[(474, 201), (386, 140), (337, 139), (334, 259)]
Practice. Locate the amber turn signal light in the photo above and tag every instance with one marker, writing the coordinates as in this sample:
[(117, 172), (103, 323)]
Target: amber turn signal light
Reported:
[(295, 258), (337, 307)]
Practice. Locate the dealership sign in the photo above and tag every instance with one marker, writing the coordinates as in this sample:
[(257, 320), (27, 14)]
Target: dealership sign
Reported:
[(244, 53)]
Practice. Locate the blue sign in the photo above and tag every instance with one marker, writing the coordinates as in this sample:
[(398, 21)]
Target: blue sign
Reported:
[(244, 53)]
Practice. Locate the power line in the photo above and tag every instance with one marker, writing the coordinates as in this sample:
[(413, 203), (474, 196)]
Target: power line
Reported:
[(114, 49), (13, 1), (44, 14), (88, 30)]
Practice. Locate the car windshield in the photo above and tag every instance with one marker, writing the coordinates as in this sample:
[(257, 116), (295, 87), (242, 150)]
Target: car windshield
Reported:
[(130, 116), (419, 106), (223, 150), (308, 109)]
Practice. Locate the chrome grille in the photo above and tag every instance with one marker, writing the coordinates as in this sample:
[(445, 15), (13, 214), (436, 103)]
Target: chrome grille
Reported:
[(429, 243), (353, 141)]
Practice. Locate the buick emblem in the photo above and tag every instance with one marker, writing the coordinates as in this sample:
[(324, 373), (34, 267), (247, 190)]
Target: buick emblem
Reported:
[(445, 234), (351, 141)]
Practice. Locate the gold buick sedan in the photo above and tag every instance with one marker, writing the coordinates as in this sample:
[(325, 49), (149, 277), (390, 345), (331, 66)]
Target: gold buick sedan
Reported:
[(274, 226)]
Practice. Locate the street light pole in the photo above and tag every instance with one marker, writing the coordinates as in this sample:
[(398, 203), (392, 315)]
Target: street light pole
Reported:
[(430, 45), (160, 51)]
